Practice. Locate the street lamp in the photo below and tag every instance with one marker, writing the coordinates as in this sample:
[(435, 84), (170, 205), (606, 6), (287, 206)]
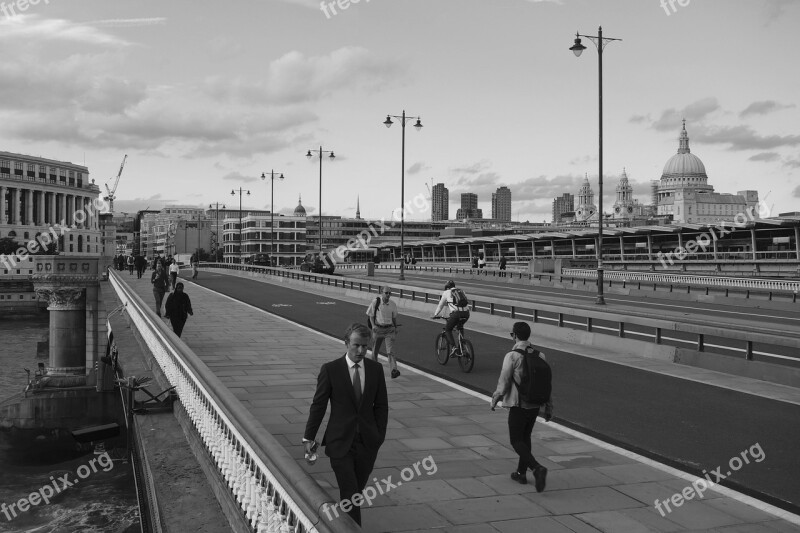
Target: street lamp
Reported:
[(388, 123), (233, 193), (577, 48), (271, 212), (309, 155), (216, 227)]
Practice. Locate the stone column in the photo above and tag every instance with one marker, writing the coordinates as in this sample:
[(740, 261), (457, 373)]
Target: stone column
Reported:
[(63, 211), (67, 307), (16, 213), (3, 192), (42, 218), (29, 207)]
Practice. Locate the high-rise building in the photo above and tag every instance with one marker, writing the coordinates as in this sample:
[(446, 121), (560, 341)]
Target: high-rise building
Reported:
[(469, 206), (440, 203), (501, 204), (561, 205)]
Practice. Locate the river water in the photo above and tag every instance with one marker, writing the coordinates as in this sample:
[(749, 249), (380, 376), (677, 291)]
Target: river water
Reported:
[(92, 493)]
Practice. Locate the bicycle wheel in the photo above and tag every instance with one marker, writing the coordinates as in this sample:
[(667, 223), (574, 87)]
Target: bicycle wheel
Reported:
[(442, 349), (467, 359)]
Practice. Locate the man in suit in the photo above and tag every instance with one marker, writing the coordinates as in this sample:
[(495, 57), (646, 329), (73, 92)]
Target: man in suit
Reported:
[(356, 389)]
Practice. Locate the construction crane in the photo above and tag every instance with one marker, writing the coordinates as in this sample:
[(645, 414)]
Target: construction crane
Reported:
[(430, 198), (111, 192)]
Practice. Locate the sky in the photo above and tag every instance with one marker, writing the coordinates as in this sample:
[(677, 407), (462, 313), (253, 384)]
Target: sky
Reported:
[(204, 97)]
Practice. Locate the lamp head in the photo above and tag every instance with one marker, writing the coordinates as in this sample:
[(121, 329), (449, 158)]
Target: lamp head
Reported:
[(263, 176), (308, 155), (577, 48), (388, 122), (332, 156), (281, 177), (233, 193), (418, 125)]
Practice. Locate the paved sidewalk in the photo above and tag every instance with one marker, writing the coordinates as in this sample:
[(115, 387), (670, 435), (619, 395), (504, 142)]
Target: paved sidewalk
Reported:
[(462, 482)]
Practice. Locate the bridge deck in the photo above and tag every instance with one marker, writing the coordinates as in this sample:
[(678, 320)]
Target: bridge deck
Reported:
[(271, 364)]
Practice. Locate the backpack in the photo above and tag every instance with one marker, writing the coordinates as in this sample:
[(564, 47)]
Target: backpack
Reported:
[(372, 322), (536, 383), (459, 297)]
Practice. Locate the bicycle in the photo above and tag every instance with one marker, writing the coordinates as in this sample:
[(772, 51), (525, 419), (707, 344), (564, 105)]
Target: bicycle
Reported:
[(467, 358)]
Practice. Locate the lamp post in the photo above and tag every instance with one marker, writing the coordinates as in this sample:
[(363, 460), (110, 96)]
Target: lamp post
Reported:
[(310, 155), (388, 123), (271, 212), (233, 193), (216, 233), (577, 48)]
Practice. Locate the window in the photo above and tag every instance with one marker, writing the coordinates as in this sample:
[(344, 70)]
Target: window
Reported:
[(18, 169)]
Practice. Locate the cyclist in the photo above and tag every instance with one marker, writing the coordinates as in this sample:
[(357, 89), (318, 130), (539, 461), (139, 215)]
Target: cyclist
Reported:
[(447, 301)]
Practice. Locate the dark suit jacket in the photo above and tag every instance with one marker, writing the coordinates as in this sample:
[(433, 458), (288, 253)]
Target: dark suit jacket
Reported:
[(334, 384)]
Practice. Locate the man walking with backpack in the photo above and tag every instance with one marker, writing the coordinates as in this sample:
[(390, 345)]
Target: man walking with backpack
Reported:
[(382, 320), (524, 387), (456, 302)]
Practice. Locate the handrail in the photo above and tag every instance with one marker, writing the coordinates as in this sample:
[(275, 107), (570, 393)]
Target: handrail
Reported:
[(271, 490), (718, 281), (748, 335)]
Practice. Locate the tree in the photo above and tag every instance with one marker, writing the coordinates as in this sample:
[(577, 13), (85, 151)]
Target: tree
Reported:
[(8, 246)]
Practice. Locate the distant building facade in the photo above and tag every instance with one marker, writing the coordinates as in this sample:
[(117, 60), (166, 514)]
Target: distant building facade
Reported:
[(562, 205), (684, 192), (501, 205), (469, 207), (586, 209), (440, 203)]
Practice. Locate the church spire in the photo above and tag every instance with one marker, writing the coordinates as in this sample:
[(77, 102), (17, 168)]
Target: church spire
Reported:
[(358, 207), (683, 146)]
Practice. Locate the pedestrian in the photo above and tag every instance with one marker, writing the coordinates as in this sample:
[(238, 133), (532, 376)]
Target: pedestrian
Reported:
[(173, 273), (130, 263), (475, 261), (160, 286), (481, 261), (382, 318), (502, 265), (193, 262), (178, 308), (356, 389), (522, 412), (140, 263)]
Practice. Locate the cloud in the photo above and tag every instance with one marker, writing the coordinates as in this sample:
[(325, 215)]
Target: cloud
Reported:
[(475, 168), (767, 157), (763, 107), (796, 192), (743, 138), (295, 78), (127, 23), (671, 119), (154, 203), (582, 160), (24, 27), (416, 168), (238, 176)]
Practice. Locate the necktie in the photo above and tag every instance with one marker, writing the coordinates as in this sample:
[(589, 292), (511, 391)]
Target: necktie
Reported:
[(357, 384)]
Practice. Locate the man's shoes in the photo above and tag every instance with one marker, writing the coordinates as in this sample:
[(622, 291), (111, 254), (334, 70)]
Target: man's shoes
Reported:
[(519, 478), (395, 373), (540, 475)]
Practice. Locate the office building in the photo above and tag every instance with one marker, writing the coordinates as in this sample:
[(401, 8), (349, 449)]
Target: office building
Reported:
[(440, 203), (501, 205), (563, 205)]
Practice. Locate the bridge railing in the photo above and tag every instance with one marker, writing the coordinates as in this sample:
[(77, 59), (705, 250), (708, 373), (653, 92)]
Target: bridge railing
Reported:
[(272, 492), (687, 279), (748, 340)]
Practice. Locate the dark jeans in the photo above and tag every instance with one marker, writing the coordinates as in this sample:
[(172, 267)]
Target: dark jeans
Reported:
[(520, 427), (173, 278), (159, 296), (455, 316), (352, 473)]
